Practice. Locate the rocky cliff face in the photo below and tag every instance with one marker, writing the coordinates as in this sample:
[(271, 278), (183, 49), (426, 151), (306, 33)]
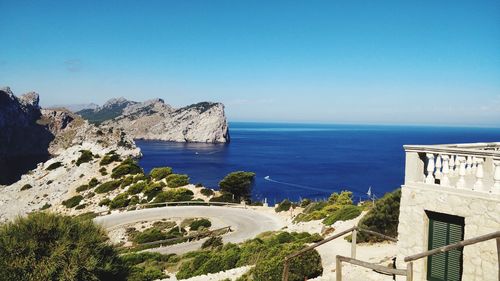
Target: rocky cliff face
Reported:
[(156, 120), (24, 141)]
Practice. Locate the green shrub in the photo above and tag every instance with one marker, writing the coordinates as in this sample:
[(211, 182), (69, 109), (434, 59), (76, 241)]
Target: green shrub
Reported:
[(160, 173), (140, 177), (93, 182), (265, 252), (109, 158), (149, 235), (197, 224), (82, 188), (305, 202), (54, 166), (108, 186), (73, 201), (174, 195), (26, 187), (127, 181), (207, 192), (382, 218), (212, 243), (137, 188), (120, 201), (199, 185), (127, 167), (86, 156), (342, 199), (103, 171), (151, 190), (239, 184), (284, 205), (45, 246), (176, 180), (347, 212), (104, 202)]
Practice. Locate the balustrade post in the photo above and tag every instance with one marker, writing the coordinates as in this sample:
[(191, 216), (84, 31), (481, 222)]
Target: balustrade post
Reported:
[(438, 173), (496, 177), (445, 180), (452, 164), (430, 168), (479, 176), (461, 172), (469, 165)]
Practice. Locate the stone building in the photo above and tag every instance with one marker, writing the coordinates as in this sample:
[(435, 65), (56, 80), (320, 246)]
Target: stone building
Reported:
[(451, 193)]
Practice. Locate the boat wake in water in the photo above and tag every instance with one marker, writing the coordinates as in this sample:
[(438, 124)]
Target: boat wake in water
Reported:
[(268, 178)]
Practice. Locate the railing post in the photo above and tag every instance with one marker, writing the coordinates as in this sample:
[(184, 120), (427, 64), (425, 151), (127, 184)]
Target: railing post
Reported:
[(353, 243), (478, 185), (409, 271), (430, 168), (338, 269), (461, 172), (285, 270), (496, 177), (445, 180)]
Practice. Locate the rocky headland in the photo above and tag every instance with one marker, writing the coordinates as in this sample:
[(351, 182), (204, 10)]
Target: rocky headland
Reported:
[(155, 120)]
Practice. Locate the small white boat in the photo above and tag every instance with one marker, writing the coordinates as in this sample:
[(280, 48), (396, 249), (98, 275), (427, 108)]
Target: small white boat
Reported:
[(266, 178)]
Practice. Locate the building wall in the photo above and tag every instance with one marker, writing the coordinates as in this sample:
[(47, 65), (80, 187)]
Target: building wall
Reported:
[(482, 216)]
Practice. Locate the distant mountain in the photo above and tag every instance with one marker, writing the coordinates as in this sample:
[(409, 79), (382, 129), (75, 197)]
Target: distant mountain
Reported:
[(156, 120), (75, 107), (111, 109)]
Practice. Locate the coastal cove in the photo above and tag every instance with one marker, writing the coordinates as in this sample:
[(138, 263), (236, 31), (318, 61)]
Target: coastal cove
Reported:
[(306, 160)]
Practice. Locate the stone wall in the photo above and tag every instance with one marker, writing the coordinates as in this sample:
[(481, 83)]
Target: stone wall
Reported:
[(482, 216)]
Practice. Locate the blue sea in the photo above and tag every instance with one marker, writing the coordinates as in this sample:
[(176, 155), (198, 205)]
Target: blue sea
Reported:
[(297, 161)]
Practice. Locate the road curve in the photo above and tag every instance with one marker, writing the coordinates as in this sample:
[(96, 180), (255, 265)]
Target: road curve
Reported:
[(245, 223)]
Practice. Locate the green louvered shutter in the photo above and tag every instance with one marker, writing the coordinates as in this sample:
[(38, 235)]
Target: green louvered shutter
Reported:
[(445, 230)]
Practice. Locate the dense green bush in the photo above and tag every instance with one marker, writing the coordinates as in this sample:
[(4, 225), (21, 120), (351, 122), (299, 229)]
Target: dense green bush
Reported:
[(127, 167), (127, 181), (174, 195), (347, 212), (54, 166), (266, 252), (305, 202), (176, 180), (103, 171), (151, 190), (44, 246), (137, 188), (86, 156), (160, 172), (197, 224), (207, 192), (73, 201), (80, 207), (104, 202), (109, 158), (120, 201), (108, 186), (284, 205), (82, 188), (239, 184), (322, 209), (26, 187), (382, 218), (146, 266), (93, 182)]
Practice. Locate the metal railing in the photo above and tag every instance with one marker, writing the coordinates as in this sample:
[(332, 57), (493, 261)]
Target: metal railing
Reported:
[(354, 230), (166, 204)]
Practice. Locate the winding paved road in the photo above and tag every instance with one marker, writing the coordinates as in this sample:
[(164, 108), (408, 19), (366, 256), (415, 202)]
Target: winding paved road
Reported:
[(245, 223)]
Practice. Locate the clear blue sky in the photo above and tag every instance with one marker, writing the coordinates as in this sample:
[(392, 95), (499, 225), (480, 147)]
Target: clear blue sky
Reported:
[(414, 62)]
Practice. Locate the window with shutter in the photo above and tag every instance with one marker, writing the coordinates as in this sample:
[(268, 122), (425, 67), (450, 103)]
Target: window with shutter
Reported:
[(444, 230)]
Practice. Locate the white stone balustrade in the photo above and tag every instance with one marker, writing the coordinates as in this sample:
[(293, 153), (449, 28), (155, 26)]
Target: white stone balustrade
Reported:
[(474, 167)]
